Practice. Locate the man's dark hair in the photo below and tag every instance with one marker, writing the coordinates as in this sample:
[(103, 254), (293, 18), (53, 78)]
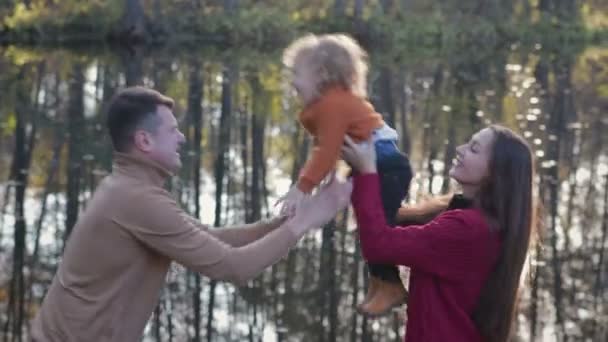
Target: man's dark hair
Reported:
[(132, 109)]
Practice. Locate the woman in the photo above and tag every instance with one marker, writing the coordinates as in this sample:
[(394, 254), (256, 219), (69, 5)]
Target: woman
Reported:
[(466, 263)]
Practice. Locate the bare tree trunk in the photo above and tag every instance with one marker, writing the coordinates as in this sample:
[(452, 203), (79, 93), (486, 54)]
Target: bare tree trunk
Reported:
[(244, 141), (358, 12), (133, 25), (22, 157), (195, 99), (169, 312), (534, 292), (554, 152), (132, 61), (339, 8), (258, 126), (383, 101), (17, 280), (331, 283), (572, 186), (600, 270), (75, 146), (325, 270), (220, 165), (365, 333), (404, 105), (52, 170), (230, 6), (259, 107), (7, 192), (430, 142), (450, 152), (387, 6), (355, 288)]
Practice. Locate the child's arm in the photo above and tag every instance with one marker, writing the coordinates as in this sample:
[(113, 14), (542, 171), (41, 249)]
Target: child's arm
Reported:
[(331, 127)]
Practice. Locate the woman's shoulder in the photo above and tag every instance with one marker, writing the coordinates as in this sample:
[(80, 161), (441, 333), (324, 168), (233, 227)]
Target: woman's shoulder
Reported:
[(471, 221)]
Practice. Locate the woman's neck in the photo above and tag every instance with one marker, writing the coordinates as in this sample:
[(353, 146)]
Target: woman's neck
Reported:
[(469, 191)]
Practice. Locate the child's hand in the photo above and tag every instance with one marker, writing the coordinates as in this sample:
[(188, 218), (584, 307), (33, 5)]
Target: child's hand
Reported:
[(290, 200)]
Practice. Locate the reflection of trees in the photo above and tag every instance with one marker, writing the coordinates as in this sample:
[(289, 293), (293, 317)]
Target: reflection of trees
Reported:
[(240, 124)]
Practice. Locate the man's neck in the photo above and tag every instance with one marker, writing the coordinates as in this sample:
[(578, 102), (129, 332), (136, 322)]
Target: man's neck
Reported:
[(141, 167)]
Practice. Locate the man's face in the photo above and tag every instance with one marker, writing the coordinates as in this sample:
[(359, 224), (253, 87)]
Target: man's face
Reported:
[(163, 143)]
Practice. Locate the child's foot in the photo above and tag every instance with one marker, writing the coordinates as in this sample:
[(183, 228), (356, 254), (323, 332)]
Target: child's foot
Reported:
[(371, 291), (388, 295)]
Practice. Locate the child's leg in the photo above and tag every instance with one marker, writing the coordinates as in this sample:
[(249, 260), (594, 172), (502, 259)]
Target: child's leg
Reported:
[(395, 175), (386, 289)]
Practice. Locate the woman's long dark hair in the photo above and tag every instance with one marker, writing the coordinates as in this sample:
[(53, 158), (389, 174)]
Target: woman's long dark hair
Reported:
[(506, 197)]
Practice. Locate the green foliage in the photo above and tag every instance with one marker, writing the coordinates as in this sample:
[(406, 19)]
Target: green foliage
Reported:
[(443, 28), (68, 20), (252, 26)]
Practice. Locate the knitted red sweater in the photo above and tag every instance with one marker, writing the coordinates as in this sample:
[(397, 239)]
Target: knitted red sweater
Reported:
[(450, 259)]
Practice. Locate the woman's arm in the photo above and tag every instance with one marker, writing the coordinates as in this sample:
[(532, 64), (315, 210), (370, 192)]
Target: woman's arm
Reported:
[(444, 247), (423, 212)]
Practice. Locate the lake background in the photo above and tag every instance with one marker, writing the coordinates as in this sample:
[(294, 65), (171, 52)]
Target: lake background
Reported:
[(439, 71)]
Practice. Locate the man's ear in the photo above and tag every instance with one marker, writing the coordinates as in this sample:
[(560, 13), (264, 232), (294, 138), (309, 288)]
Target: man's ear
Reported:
[(142, 140)]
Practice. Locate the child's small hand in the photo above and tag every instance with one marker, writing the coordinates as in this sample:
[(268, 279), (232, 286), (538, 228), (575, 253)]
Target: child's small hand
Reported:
[(290, 200)]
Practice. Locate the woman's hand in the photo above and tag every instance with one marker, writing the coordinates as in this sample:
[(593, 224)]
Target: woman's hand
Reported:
[(361, 157)]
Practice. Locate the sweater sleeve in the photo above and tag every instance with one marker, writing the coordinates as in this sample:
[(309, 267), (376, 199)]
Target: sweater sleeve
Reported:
[(240, 235), (445, 247), (159, 223), (331, 125)]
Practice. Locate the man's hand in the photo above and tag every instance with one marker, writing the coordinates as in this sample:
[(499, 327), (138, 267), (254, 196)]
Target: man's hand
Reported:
[(274, 221), (315, 211), (290, 200)]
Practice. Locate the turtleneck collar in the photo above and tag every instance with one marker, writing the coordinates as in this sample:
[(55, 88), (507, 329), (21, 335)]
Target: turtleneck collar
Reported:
[(140, 168), (458, 201)]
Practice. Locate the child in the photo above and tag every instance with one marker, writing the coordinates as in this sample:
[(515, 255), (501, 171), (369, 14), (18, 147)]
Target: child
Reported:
[(329, 74)]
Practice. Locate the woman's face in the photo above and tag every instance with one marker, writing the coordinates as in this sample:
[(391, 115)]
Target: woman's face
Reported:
[(471, 167)]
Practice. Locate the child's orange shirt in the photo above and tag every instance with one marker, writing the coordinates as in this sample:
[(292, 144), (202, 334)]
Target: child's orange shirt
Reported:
[(337, 112)]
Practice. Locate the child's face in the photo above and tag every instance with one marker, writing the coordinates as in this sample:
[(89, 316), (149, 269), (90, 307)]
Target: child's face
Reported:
[(302, 81)]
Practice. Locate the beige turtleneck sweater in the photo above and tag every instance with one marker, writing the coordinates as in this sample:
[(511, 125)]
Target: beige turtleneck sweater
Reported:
[(119, 252)]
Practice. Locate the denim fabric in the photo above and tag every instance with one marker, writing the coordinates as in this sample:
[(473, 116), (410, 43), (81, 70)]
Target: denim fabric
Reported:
[(395, 174)]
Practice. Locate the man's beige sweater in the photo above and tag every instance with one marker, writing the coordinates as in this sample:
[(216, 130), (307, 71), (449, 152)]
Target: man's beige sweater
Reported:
[(119, 252)]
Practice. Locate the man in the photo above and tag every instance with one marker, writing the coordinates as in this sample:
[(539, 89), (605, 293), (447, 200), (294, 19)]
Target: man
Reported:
[(119, 251)]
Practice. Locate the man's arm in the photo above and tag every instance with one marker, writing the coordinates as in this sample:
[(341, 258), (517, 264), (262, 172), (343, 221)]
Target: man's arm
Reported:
[(159, 223), (241, 235)]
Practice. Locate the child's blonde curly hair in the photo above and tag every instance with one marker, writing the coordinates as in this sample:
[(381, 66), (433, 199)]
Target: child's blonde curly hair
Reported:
[(334, 59)]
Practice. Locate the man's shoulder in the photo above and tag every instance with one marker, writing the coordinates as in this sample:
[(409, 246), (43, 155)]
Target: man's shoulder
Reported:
[(123, 190)]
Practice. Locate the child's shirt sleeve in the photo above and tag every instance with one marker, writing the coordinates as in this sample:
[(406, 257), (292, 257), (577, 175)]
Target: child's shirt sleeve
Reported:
[(330, 127)]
